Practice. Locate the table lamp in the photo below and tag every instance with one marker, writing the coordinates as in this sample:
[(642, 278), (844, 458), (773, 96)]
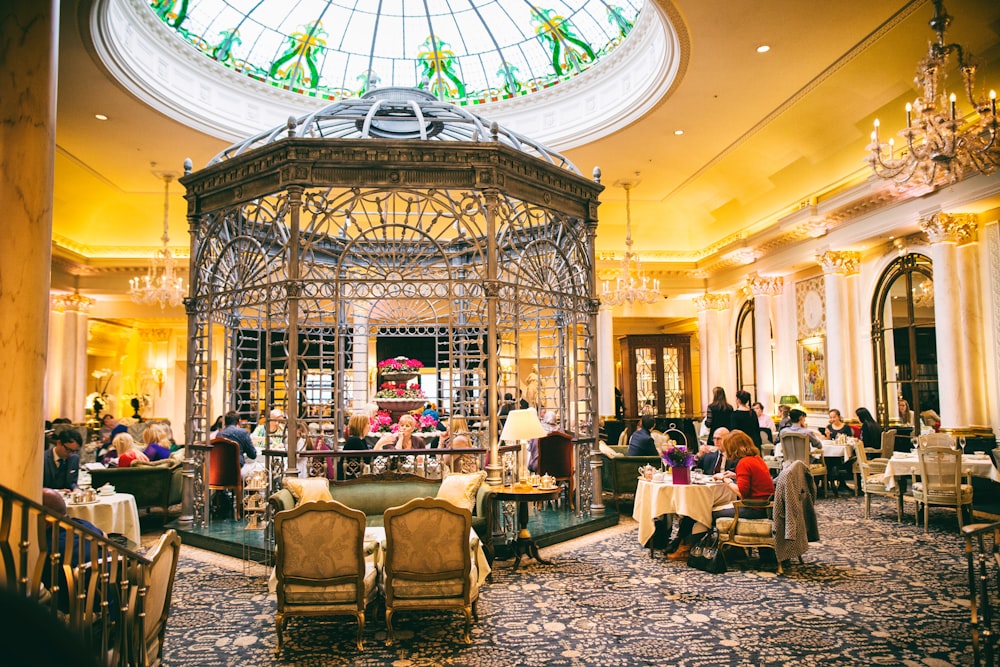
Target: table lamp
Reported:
[(789, 400), (522, 425)]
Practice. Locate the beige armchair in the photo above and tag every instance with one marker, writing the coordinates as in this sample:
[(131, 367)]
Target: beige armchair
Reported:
[(870, 482), (745, 533), (322, 565), (942, 482), (428, 561)]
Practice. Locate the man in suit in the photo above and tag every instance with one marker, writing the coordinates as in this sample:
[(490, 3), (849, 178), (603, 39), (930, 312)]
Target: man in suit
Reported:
[(641, 443), (62, 461)]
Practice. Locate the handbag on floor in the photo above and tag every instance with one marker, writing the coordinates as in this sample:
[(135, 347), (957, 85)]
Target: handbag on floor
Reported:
[(706, 555)]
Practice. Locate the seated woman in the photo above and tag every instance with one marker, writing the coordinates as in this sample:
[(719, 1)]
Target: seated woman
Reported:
[(837, 426), (129, 451), (457, 437), (838, 468), (357, 429), (751, 480), (157, 442), (871, 432), (403, 438)]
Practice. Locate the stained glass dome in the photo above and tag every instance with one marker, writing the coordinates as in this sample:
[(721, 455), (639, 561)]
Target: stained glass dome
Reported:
[(468, 52)]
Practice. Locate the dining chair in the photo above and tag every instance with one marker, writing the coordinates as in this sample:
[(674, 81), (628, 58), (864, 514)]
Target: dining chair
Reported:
[(936, 440), (746, 534), (428, 562), (224, 471), (871, 482), (556, 458), (322, 565), (797, 447), (942, 482), (158, 579), (888, 444)]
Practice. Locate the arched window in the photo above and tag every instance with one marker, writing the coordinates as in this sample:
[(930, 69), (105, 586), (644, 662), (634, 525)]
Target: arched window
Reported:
[(904, 340), (746, 364)]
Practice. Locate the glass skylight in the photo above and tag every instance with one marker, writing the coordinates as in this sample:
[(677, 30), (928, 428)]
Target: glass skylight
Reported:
[(462, 51)]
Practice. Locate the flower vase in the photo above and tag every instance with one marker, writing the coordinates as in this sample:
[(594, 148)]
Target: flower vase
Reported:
[(680, 475)]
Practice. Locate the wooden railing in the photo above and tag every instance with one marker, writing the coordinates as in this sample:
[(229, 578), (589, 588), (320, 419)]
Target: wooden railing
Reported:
[(92, 584)]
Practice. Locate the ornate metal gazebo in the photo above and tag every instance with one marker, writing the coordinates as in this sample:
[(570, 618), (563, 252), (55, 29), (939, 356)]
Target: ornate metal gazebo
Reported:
[(393, 215)]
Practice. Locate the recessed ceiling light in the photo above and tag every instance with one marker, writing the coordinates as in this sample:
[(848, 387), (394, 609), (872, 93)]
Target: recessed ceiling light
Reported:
[(100, 116), (763, 48), (678, 132)]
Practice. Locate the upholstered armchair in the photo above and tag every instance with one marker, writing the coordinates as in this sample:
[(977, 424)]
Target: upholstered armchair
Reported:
[(871, 482), (322, 565), (428, 561), (942, 482), (737, 531)]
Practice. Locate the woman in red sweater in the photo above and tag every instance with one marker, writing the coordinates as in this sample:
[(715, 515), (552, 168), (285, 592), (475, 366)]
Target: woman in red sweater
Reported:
[(751, 479)]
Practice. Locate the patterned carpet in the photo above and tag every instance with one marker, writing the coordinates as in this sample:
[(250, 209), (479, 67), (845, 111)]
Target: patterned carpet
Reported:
[(871, 593)]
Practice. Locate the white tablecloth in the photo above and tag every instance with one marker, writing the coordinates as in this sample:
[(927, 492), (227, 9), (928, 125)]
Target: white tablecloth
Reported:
[(653, 499), (116, 513), (905, 464)]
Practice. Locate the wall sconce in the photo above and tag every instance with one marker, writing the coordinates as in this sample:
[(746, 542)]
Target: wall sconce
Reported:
[(159, 375)]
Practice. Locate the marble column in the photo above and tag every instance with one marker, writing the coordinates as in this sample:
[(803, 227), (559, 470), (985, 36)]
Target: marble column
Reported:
[(974, 329), (712, 341), (764, 289), (945, 231), (839, 368), (605, 363), (29, 32), (66, 366)]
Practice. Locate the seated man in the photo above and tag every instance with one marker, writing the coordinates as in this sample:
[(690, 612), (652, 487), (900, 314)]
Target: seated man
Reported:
[(62, 461), (641, 442), (232, 431), (797, 419), (54, 502), (710, 457)]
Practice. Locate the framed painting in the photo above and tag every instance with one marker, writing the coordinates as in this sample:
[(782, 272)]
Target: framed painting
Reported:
[(812, 373)]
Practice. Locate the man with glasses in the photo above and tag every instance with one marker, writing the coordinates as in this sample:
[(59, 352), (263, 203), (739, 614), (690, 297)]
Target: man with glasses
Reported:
[(62, 461)]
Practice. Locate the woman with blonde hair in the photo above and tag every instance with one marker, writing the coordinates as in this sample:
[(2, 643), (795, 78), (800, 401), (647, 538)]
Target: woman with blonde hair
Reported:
[(403, 438), (129, 451), (157, 442), (457, 437)]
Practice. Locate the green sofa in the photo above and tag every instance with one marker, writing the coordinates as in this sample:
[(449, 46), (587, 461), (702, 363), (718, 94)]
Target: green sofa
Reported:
[(620, 475), (373, 494), (155, 484)]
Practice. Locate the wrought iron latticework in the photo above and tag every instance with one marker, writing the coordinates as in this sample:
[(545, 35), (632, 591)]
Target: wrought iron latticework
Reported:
[(306, 249)]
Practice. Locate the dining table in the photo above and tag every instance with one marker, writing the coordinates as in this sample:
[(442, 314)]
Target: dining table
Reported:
[(696, 500), (906, 463), (114, 513)]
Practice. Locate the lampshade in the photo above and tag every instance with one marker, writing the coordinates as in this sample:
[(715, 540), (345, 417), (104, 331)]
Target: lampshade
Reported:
[(522, 425), (789, 400)]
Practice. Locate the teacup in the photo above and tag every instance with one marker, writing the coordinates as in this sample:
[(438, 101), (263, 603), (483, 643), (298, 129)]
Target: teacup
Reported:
[(657, 476)]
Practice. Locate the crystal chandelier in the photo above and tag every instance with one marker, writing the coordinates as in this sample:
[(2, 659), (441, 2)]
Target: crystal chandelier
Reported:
[(939, 142), (631, 286), (160, 285)]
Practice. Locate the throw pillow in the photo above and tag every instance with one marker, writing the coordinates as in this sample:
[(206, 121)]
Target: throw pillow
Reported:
[(307, 490), (607, 451), (460, 490)]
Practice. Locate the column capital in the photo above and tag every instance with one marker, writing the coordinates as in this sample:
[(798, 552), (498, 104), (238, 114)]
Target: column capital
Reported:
[(712, 301), (764, 285), (950, 227), (842, 262), (71, 302)]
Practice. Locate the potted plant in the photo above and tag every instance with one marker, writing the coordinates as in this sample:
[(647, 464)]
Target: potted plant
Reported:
[(680, 461)]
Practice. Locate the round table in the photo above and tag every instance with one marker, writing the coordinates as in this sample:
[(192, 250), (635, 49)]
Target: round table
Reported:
[(115, 513), (525, 543)]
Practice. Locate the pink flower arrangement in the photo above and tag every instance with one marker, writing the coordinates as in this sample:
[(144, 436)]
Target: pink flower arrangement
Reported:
[(398, 390), (382, 422), (400, 364), (426, 424)]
